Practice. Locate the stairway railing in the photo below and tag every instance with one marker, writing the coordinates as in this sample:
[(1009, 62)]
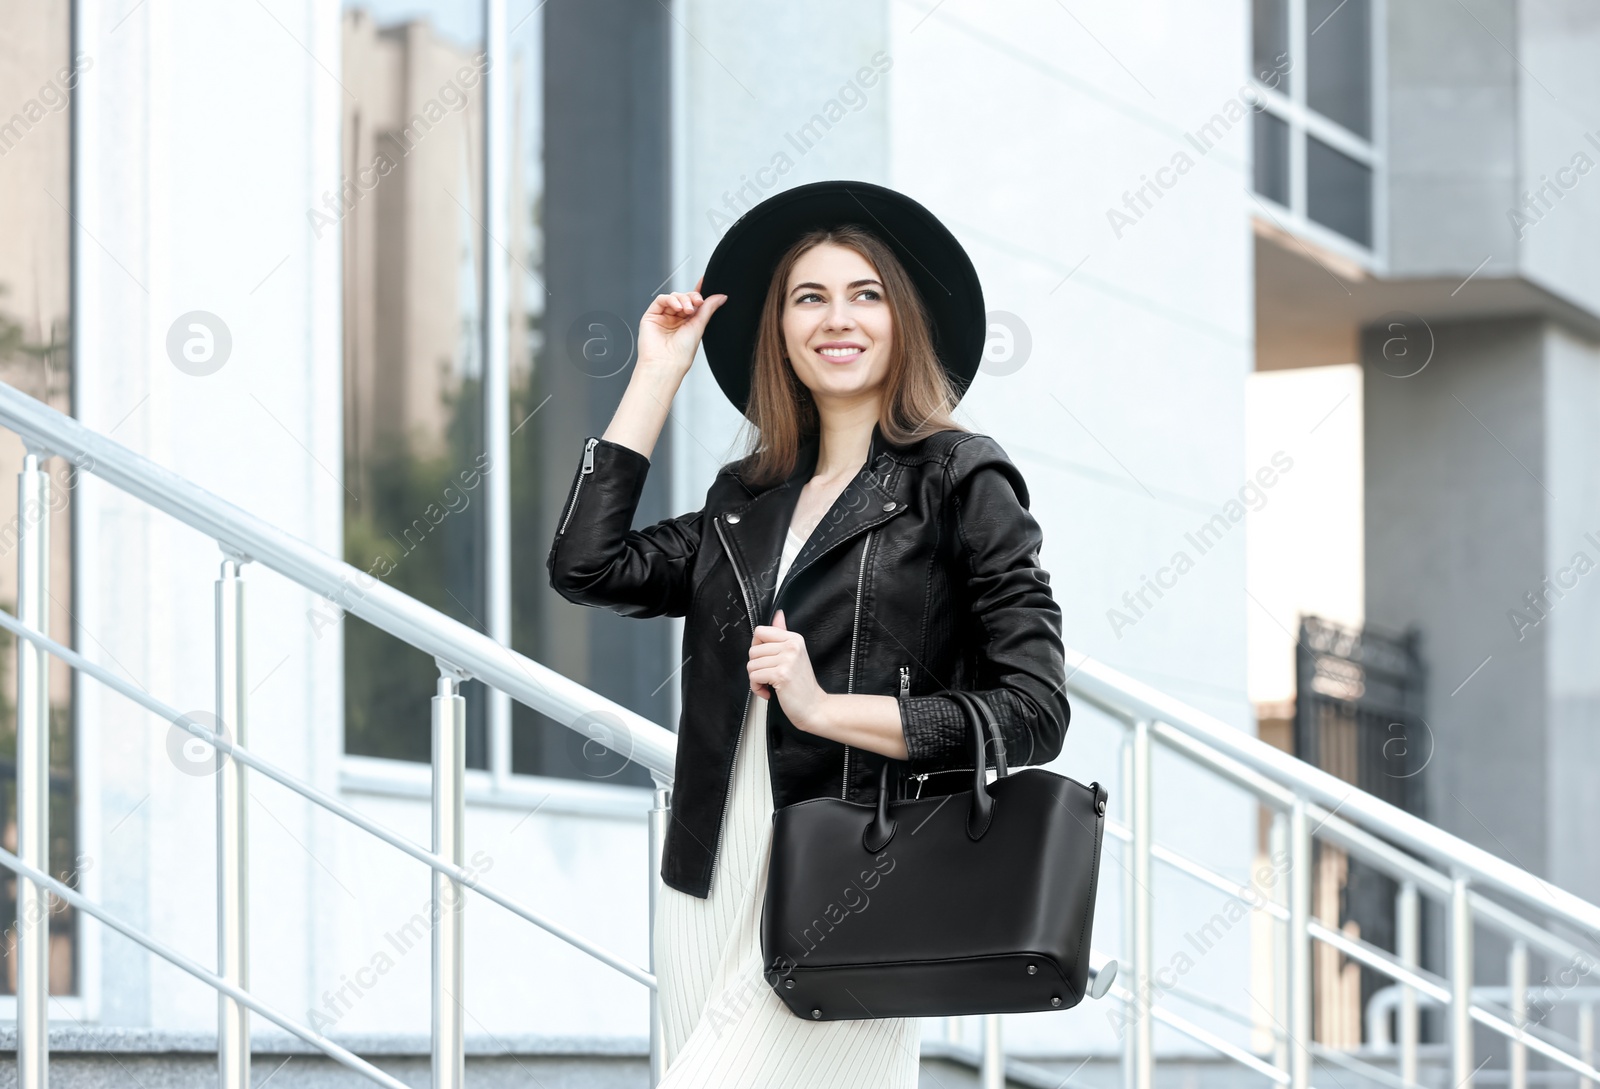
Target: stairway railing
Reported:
[(459, 652), (1307, 804), (1425, 860)]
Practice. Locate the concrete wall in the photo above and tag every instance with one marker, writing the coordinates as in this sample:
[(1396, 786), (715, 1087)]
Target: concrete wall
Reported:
[(1028, 130), (1482, 528), (1558, 147), (1453, 171), (1480, 468), (769, 104), (1572, 558), (1494, 147)]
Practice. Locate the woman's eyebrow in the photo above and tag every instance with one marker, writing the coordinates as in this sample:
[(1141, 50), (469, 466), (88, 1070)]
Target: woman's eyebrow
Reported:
[(852, 283)]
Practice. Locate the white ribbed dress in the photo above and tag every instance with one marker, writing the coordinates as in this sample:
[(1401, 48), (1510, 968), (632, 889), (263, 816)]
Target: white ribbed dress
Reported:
[(725, 1027)]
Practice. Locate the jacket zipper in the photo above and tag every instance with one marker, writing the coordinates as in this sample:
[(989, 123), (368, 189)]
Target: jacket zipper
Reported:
[(905, 690), (855, 632), (727, 781), (588, 468)]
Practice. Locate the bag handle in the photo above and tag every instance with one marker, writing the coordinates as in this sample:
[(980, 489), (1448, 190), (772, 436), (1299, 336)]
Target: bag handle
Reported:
[(880, 830), (994, 731)]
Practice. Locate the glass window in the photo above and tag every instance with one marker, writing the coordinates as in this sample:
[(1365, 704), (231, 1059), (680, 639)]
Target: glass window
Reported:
[(587, 191), (37, 75), (1269, 43), (1338, 66), (407, 219), (1338, 191), (1331, 188), (1271, 168), (589, 218)]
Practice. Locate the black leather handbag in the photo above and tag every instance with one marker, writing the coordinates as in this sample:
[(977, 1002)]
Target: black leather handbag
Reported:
[(976, 902)]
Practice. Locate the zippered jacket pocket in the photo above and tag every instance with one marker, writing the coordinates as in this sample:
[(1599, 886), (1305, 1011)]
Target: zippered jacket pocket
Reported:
[(596, 557)]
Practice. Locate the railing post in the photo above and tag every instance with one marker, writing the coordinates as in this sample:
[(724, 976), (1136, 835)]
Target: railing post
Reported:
[(1143, 908), (33, 774), (449, 841), (1130, 966), (1278, 840), (1299, 1030), (657, 830), (1408, 946), (233, 842), (1461, 1068), (1586, 1041), (1517, 977), (992, 1074)]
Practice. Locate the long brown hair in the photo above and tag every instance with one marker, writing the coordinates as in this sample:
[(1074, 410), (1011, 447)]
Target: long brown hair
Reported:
[(918, 395)]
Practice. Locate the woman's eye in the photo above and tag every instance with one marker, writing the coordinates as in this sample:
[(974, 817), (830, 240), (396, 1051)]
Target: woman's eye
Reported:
[(867, 293)]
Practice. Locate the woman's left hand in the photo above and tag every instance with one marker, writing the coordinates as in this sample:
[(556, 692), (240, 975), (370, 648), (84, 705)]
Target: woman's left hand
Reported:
[(778, 661)]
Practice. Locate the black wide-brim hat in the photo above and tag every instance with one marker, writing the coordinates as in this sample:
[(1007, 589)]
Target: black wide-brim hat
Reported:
[(744, 261)]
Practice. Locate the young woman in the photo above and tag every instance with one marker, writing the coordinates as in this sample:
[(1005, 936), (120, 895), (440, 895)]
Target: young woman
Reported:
[(867, 554)]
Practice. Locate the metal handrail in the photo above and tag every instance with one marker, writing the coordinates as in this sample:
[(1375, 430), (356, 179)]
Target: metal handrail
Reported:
[(460, 652), (1294, 789), (1099, 981), (1203, 874), (1301, 793), (1129, 699), (245, 535), (321, 798), (1386, 998), (1425, 983), (1205, 1036), (177, 959)]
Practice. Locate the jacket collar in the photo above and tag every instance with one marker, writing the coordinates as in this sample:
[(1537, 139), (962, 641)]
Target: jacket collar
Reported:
[(878, 491)]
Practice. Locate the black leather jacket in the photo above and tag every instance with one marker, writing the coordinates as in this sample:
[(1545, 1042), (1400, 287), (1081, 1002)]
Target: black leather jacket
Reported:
[(922, 577)]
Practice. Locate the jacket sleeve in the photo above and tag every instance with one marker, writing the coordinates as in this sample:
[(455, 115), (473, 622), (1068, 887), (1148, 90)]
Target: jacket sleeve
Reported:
[(598, 559), (1021, 664)]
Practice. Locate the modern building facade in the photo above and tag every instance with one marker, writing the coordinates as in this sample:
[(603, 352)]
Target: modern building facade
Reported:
[(1294, 312)]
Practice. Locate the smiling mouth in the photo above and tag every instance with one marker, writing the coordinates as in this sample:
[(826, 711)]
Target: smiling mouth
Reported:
[(840, 355)]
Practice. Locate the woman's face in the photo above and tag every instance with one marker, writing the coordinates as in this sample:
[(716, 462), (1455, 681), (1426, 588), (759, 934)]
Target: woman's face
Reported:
[(837, 327)]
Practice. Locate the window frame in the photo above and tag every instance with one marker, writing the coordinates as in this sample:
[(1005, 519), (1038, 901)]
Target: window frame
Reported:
[(1293, 110), (497, 784)]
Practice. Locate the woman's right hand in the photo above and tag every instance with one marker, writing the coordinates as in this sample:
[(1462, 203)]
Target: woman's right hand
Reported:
[(671, 328)]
